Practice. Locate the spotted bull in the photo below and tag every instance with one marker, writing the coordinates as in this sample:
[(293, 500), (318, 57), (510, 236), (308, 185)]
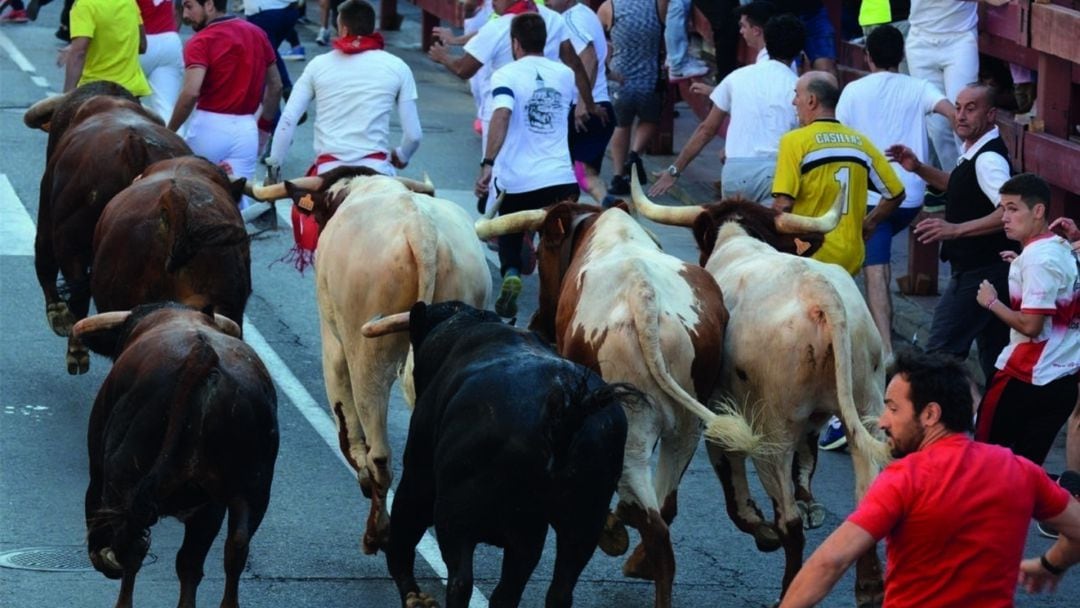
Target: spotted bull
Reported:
[(800, 346), (100, 139), (381, 248), (506, 439), (611, 300), (185, 425), (181, 218)]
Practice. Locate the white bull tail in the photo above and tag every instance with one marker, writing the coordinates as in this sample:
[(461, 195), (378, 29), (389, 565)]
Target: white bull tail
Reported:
[(729, 430)]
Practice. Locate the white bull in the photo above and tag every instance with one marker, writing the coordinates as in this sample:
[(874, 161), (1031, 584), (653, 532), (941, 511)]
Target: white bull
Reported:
[(800, 346), (382, 248)]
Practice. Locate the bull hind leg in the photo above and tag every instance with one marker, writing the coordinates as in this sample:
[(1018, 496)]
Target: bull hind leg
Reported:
[(730, 469), (245, 516), (127, 590), (78, 306), (802, 474), (413, 513), (869, 587), (575, 545), (57, 312), (200, 529), (519, 560), (775, 474)]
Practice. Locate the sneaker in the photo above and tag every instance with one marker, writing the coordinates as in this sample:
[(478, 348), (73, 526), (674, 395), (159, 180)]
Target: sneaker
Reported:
[(62, 34), (1070, 480), (619, 186), (834, 437), (15, 16), (32, 8), (296, 53), (506, 305), (323, 39), (528, 253), (691, 68), (635, 160), (609, 201)]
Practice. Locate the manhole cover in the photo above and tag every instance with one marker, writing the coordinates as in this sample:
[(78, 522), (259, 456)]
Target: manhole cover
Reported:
[(53, 559)]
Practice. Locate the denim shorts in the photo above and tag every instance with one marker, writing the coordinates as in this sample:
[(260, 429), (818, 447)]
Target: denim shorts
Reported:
[(820, 36), (879, 245)]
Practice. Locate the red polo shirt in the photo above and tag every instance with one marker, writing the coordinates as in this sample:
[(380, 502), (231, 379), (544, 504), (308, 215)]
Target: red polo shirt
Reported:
[(236, 55), (158, 16)]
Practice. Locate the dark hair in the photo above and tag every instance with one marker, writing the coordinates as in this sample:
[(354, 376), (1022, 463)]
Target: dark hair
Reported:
[(221, 6), (757, 12), (989, 91), (358, 16), (530, 32), (1031, 189), (825, 90), (785, 37), (885, 45), (938, 378)]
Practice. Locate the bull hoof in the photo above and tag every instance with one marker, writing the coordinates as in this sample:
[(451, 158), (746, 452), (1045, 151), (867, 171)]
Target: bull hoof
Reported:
[(105, 562), (813, 514), (766, 538), (60, 318), (78, 362), (420, 600), (638, 566), (365, 482), (869, 594), (614, 539), (375, 539)]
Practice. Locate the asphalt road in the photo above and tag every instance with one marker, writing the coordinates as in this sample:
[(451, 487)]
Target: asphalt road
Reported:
[(307, 551)]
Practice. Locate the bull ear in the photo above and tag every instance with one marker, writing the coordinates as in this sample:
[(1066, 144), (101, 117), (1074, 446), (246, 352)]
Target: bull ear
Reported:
[(705, 230), (557, 225), (306, 201), (236, 188)]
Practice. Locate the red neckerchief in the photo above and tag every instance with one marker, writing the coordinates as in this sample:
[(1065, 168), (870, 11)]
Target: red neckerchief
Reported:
[(521, 6), (351, 45)]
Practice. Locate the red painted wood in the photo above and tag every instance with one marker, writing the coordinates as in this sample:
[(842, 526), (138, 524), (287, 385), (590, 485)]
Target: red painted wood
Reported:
[(1009, 21), (450, 11), (1056, 30), (1054, 159), (389, 18), (1054, 92)]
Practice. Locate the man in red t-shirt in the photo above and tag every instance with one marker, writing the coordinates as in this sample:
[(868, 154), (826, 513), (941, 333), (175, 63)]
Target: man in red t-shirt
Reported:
[(954, 513), (229, 69)]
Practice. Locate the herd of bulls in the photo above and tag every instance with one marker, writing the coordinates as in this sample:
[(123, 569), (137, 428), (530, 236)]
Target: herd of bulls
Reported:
[(631, 351)]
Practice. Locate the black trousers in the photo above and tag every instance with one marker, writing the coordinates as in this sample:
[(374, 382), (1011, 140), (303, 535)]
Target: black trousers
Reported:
[(725, 27), (510, 244), (1023, 417)]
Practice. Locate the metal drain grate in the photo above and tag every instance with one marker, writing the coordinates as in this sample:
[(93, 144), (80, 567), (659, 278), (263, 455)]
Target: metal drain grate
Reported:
[(53, 559)]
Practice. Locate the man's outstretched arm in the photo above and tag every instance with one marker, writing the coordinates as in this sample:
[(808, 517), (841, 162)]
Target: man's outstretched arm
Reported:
[(827, 565)]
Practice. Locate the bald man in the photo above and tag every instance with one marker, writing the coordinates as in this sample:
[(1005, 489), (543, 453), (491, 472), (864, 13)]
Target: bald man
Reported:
[(823, 159)]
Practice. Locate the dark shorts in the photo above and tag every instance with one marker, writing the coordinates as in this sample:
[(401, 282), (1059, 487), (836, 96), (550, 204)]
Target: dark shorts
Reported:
[(820, 36), (879, 245), (588, 146), (645, 105)]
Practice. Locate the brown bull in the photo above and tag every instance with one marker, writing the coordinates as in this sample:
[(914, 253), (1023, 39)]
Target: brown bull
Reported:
[(99, 141), (185, 425), (612, 301), (801, 346), (175, 234)]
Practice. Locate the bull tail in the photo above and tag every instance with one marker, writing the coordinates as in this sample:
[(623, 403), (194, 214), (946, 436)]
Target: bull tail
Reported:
[(836, 325), (729, 429), (568, 407), (143, 510), (424, 244)]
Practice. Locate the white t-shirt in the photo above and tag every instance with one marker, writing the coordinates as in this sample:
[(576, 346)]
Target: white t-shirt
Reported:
[(943, 16), (491, 44), (252, 7), (354, 96), (1043, 280), (535, 154), (891, 108), (758, 98), (584, 27), (991, 170)]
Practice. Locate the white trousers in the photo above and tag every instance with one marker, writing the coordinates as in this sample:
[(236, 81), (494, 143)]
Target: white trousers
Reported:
[(950, 62), (229, 140), (163, 64)]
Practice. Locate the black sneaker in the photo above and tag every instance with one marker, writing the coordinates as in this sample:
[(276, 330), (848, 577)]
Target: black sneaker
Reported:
[(63, 34), (619, 186)]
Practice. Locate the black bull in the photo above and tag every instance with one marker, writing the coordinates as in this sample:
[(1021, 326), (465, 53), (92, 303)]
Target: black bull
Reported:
[(185, 425), (506, 438)]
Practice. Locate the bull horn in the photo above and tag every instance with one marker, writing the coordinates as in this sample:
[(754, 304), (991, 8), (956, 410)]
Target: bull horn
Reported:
[(39, 115), (424, 187), (228, 326), (428, 182), (663, 214), (509, 224), (789, 223), (380, 326), (100, 322), (494, 210), (274, 192)]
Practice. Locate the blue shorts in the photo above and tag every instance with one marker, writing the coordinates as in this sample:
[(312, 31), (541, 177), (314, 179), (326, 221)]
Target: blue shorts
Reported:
[(588, 146), (879, 245), (820, 36)]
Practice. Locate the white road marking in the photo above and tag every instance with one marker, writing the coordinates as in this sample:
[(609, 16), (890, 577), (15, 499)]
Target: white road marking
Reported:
[(16, 55), (16, 228), (324, 426)]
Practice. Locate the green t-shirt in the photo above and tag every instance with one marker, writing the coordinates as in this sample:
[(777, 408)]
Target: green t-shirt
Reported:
[(113, 29)]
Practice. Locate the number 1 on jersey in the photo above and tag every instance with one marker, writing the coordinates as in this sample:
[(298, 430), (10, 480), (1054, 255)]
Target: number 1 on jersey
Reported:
[(843, 176)]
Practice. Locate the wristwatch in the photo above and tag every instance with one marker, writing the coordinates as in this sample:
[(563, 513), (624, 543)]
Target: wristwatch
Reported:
[(673, 171), (487, 162)]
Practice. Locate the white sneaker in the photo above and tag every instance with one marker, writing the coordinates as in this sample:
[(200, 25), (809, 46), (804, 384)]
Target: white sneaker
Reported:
[(691, 68), (323, 39)]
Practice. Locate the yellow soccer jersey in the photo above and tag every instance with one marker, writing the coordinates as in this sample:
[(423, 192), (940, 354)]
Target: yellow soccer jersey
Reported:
[(113, 29), (813, 162)]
